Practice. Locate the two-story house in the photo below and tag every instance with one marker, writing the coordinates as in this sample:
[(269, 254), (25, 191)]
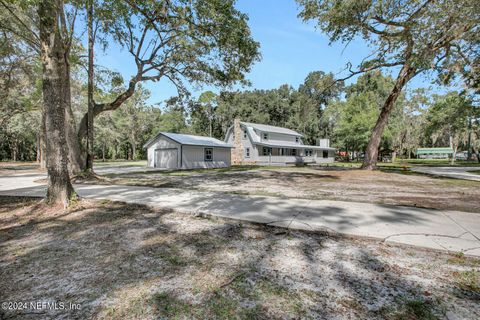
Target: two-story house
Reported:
[(265, 144)]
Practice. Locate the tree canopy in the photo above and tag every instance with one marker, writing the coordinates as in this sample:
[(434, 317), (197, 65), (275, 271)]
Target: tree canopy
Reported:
[(414, 36)]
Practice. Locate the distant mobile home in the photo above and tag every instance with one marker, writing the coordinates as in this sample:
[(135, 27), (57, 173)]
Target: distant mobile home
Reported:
[(183, 151), (434, 153)]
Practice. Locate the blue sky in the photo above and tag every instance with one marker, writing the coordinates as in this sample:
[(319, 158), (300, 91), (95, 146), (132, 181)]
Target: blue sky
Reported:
[(290, 50)]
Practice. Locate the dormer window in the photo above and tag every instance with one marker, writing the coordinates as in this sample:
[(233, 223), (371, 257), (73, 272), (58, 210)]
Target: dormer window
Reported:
[(297, 139), (265, 136)]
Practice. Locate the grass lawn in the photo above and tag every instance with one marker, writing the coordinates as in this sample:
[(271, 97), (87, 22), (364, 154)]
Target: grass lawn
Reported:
[(23, 166), (120, 163), (408, 163), (474, 171), (437, 163), (120, 261)]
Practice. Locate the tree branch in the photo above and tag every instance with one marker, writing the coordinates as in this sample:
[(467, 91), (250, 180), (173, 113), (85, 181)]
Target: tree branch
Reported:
[(20, 21)]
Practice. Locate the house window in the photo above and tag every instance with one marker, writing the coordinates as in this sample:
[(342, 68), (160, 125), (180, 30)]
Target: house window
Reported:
[(294, 152), (308, 152), (297, 139), (247, 152), (325, 153), (265, 136), (244, 134), (266, 151), (208, 154)]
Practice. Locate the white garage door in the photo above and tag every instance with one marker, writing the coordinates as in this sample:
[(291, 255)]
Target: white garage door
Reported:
[(166, 158)]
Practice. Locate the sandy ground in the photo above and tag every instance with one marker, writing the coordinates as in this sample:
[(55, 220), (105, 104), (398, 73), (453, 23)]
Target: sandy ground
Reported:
[(320, 183), (132, 262), (467, 173)]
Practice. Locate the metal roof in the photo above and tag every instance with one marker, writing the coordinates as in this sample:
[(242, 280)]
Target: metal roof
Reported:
[(268, 128), (434, 150), (188, 139)]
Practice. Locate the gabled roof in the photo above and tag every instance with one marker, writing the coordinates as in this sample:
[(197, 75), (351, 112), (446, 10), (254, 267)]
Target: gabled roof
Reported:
[(268, 128), (188, 139)]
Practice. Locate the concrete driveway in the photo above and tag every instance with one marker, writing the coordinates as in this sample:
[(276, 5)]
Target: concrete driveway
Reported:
[(451, 172), (444, 230)]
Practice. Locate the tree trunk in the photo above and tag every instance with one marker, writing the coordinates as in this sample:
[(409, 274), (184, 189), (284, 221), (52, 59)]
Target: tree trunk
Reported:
[(371, 154), (474, 149), (134, 151), (454, 155), (103, 152), (43, 147), (60, 189), (89, 162), (76, 159), (37, 146), (476, 153), (14, 150)]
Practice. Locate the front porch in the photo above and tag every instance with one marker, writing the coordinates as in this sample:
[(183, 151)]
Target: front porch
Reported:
[(286, 155)]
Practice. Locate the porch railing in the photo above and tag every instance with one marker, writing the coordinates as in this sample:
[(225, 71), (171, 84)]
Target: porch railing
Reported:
[(286, 159)]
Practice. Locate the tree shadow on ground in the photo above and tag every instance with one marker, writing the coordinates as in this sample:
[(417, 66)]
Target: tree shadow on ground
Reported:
[(130, 261)]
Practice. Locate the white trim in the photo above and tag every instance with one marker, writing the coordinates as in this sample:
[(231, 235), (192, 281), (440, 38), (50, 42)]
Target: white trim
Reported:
[(204, 154)]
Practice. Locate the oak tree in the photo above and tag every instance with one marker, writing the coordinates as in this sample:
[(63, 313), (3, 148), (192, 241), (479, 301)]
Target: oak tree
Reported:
[(412, 36)]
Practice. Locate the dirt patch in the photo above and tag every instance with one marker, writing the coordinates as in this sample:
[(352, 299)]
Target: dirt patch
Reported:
[(395, 188), (115, 260)]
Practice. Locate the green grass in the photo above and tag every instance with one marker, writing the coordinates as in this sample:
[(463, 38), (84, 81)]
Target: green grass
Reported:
[(475, 172), (172, 255), (19, 165), (468, 280), (216, 306), (460, 259), (225, 303), (120, 163), (408, 163), (437, 163), (188, 172), (409, 309), (169, 306), (352, 164), (235, 168)]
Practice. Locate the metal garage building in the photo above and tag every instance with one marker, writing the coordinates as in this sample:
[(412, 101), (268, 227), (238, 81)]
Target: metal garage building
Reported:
[(183, 151)]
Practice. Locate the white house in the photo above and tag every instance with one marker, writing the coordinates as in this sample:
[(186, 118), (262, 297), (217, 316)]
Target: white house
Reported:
[(265, 144), (184, 151)]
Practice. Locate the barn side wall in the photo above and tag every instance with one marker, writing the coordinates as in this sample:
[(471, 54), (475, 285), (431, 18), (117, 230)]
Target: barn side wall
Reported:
[(193, 157)]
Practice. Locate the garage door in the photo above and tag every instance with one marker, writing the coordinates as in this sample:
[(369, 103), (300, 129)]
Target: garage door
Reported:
[(166, 158)]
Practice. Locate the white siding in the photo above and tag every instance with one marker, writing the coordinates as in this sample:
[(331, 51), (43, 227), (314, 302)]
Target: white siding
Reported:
[(256, 150), (279, 137), (321, 159), (193, 157), (161, 143), (247, 143)]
